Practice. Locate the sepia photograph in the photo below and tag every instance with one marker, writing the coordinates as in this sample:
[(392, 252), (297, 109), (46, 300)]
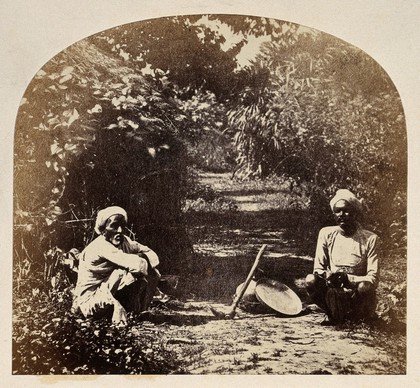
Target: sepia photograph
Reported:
[(210, 194)]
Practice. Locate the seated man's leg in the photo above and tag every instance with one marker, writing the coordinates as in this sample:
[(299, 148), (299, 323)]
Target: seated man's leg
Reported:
[(137, 294), (97, 302), (317, 289), (153, 278), (131, 295), (364, 300)]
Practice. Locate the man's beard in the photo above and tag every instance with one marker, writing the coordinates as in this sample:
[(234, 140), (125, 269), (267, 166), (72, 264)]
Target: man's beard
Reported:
[(117, 239)]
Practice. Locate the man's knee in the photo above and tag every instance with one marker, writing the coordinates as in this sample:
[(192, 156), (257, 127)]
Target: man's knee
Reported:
[(365, 288), (114, 280), (366, 300), (310, 281)]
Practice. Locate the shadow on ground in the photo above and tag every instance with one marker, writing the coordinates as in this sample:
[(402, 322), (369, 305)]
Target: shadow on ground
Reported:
[(216, 278), (291, 226), (227, 244), (241, 192), (176, 319)]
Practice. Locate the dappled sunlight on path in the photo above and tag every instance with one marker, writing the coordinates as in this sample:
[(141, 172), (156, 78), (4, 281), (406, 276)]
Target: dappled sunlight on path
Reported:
[(225, 245)]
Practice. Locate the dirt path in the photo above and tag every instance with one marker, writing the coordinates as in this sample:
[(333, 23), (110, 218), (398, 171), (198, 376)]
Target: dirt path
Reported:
[(269, 344), (261, 343)]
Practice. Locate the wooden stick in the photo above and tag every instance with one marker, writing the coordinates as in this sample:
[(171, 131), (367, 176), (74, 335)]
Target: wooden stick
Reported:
[(238, 298)]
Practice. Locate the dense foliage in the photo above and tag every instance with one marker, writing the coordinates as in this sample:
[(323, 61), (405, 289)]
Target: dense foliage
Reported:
[(48, 339), (324, 114), (194, 59), (93, 133)]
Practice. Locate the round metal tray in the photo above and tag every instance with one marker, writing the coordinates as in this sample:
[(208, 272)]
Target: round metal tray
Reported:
[(278, 296)]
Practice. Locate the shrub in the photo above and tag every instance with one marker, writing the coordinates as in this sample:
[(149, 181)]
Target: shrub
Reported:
[(48, 339)]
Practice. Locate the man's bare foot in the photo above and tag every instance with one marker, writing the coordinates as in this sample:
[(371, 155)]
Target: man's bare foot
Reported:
[(119, 316)]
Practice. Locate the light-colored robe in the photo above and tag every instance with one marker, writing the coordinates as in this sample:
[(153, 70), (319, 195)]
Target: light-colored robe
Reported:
[(98, 261), (356, 255)]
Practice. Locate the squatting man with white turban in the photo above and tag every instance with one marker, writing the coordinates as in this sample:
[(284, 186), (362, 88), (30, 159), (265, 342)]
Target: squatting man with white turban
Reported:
[(345, 274), (115, 273)]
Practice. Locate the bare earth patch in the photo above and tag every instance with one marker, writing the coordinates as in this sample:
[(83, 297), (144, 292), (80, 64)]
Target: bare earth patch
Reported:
[(271, 344)]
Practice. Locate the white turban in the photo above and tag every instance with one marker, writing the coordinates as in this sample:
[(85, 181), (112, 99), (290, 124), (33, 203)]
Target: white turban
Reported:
[(349, 197), (104, 214)]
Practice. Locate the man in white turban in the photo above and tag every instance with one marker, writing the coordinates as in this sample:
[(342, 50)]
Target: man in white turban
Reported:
[(346, 270), (115, 273)]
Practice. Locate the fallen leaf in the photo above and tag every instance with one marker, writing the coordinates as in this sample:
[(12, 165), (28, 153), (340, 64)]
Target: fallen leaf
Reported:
[(67, 70)]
